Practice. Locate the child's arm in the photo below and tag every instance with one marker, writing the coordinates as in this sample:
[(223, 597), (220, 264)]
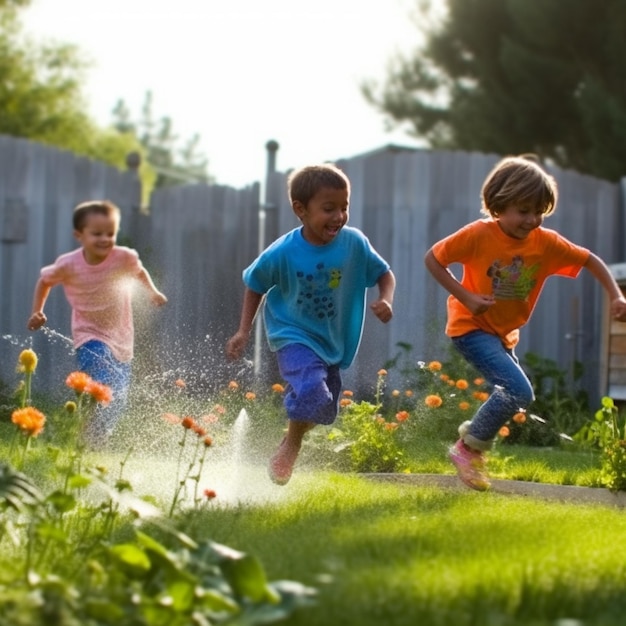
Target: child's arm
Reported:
[(603, 275), (476, 303), (155, 295), (383, 307), (237, 343), (38, 318)]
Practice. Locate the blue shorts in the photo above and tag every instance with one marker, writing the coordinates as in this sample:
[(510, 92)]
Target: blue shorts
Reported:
[(96, 359), (313, 386)]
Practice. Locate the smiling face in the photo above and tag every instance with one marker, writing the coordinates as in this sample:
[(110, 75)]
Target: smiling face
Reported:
[(324, 215), (519, 221), (97, 237)]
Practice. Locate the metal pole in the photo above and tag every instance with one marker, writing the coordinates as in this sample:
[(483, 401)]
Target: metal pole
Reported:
[(272, 148)]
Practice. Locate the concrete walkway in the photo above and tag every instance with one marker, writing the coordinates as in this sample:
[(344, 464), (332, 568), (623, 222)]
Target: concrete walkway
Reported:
[(563, 493)]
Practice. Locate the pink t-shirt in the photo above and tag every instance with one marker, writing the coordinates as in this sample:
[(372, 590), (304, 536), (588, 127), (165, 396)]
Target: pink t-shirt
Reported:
[(100, 297)]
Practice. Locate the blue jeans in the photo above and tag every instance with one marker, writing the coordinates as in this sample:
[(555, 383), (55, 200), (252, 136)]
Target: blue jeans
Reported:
[(313, 386), (96, 359), (512, 390)]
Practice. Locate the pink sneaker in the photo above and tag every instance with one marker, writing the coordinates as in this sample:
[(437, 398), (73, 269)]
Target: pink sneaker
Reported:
[(470, 466), (281, 464)]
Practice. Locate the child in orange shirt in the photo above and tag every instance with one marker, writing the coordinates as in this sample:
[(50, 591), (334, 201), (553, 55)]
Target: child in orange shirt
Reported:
[(506, 259)]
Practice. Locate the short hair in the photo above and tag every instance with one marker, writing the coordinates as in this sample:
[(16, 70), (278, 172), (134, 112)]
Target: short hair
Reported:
[(518, 180), (305, 182), (94, 207)]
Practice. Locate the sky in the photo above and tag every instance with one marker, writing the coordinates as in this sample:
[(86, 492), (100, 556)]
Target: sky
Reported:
[(240, 72)]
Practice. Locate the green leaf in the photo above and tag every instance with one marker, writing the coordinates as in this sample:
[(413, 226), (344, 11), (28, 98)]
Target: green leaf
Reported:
[(62, 502), (132, 559), (78, 481)]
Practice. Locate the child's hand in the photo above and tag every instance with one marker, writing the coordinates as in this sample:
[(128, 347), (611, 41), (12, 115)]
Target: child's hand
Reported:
[(479, 303), (618, 309), (382, 310), (236, 345), (158, 299), (36, 320)]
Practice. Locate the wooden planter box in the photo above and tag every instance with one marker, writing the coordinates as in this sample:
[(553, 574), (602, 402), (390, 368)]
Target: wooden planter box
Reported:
[(613, 380)]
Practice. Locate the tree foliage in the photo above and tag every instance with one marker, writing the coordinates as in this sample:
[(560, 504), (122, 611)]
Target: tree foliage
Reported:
[(172, 163), (513, 76)]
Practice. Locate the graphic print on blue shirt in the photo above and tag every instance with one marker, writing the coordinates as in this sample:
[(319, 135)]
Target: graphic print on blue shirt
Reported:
[(315, 292)]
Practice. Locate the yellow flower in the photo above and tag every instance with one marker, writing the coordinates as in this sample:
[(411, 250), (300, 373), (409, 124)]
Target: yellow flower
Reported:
[(29, 420), (434, 366), (27, 361), (433, 401), (70, 407)]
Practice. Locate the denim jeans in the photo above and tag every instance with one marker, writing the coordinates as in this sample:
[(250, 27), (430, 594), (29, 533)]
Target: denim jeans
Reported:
[(512, 390), (313, 386), (96, 359)]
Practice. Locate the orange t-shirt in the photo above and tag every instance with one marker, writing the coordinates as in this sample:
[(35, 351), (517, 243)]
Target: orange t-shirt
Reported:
[(513, 270)]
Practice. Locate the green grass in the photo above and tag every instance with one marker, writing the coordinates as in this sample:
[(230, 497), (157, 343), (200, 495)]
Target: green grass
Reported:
[(396, 555)]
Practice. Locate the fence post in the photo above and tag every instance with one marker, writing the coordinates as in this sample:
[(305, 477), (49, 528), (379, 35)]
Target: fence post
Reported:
[(265, 226)]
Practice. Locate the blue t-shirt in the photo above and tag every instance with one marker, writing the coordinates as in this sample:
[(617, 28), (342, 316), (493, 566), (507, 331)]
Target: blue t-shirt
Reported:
[(316, 294)]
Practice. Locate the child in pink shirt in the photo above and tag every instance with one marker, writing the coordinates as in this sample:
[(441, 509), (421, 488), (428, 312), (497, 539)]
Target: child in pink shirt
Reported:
[(97, 279)]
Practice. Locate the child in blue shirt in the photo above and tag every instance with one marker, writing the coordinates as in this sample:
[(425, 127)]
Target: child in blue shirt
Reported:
[(314, 279)]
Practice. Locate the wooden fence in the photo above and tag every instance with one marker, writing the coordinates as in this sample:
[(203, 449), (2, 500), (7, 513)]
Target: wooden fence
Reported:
[(196, 239)]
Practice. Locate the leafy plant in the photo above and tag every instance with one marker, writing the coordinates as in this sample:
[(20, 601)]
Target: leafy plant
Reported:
[(607, 431)]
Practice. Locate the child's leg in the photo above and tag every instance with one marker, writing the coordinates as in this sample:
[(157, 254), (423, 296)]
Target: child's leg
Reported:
[(311, 397), (96, 359), (512, 390)]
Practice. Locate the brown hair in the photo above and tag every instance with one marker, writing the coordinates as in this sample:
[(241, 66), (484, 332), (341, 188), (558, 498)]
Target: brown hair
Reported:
[(304, 183), (518, 180), (94, 207)]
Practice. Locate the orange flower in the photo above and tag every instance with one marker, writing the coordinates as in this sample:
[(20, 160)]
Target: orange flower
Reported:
[(402, 416), (408, 393), (29, 420), (199, 430), (180, 383), (480, 395), (210, 418), (219, 409), (345, 402), (209, 494), (171, 418), (395, 393), (278, 388), (78, 381), (382, 372), (207, 441), (391, 426), (464, 406), (433, 401), (504, 431), (188, 422), (379, 419), (250, 395), (348, 393), (232, 385), (444, 377), (99, 392), (479, 381), (462, 384), (451, 382), (434, 366), (520, 417)]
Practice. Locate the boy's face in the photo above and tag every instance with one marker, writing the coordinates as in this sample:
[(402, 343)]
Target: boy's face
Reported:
[(518, 221), (97, 237), (324, 216)]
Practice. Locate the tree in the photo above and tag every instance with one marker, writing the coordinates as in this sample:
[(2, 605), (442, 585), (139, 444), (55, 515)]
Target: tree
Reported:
[(514, 76), (173, 164)]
